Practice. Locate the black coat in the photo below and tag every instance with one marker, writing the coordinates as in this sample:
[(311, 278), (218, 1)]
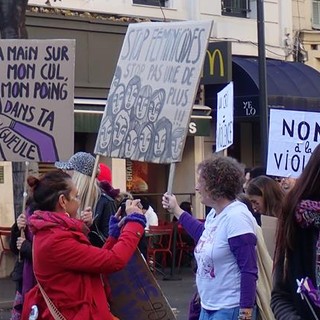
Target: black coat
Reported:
[(105, 208), (286, 303)]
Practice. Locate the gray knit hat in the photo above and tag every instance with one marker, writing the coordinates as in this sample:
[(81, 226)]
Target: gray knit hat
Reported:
[(82, 162)]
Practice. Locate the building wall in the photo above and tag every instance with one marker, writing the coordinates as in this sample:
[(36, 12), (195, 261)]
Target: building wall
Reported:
[(242, 31), (302, 12)]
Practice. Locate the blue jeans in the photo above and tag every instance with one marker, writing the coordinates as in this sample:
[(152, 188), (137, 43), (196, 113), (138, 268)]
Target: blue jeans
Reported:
[(223, 314)]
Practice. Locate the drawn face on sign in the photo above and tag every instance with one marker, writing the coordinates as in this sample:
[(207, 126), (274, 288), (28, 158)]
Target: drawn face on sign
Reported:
[(116, 78), (117, 99), (131, 143), (106, 133), (156, 104), (145, 139), (162, 139), (143, 102), (132, 92), (121, 126), (160, 142), (176, 145)]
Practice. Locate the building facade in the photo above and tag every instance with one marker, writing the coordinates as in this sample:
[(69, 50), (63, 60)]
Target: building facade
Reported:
[(99, 27), (234, 21)]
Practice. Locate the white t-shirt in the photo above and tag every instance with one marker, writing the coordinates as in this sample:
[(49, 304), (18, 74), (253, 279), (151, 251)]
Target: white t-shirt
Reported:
[(218, 275), (151, 217)]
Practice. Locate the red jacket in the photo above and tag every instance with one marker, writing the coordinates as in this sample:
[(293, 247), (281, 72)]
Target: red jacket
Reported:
[(68, 267)]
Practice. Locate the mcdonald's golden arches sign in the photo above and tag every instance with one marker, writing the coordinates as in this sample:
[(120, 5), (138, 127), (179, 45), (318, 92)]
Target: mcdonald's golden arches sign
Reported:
[(217, 66)]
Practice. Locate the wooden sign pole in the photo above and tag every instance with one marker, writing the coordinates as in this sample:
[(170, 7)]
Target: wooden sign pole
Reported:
[(175, 227), (93, 177)]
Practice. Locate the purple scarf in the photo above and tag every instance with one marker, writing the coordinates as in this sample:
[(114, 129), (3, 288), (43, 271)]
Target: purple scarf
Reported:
[(308, 214)]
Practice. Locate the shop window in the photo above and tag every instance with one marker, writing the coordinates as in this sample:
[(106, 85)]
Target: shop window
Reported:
[(316, 14), (235, 8), (155, 3)]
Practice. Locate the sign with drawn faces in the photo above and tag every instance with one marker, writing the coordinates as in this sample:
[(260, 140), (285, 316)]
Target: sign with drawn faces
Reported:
[(152, 92), (36, 100)]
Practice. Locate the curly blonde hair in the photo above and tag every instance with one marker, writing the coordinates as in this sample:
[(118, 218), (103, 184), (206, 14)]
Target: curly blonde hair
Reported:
[(223, 177)]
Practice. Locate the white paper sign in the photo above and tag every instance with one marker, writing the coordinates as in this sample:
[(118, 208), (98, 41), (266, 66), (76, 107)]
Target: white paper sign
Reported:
[(293, 135), (224, 134), (152, 93)]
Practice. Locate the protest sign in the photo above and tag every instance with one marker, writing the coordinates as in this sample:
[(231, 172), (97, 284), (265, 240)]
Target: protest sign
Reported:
[(36, 99), (135, 293), (224, 133), (293, 135), (152, 92)]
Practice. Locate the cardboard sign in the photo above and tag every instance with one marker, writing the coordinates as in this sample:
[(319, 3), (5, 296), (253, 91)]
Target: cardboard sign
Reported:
[(293, 135), (224, 133), (36, 99), (136, 293), (152, 92)]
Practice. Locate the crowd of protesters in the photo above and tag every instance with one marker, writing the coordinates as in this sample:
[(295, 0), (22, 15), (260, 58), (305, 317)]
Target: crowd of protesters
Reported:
[(63, 221)]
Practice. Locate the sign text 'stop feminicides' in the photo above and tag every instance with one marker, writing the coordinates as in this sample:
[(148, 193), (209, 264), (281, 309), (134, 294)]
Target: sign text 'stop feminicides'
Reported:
[(293, 135), (152, 93), (36, 99)]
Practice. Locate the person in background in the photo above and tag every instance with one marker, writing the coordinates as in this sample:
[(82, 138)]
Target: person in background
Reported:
[(151, 216), (257, 172), (104, 173), (226, 242), (104, 177), (287, 183), (67, 267), (103, 206), (246, 178), (298, 248), (266, 196), (152, 220), (22, 247), (186, 206), (122, 197)]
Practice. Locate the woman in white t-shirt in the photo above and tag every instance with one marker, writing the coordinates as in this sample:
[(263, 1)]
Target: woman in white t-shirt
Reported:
[(226, 242)]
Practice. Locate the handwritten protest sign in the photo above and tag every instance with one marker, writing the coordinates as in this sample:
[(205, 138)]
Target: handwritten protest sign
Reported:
[(293, 135), (36, 99), (152, 93), (224, 133)]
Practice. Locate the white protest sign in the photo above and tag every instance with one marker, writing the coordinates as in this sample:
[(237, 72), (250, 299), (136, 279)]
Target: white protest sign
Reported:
[(293, 135), (224, 132), (152, 92), (36, 99)]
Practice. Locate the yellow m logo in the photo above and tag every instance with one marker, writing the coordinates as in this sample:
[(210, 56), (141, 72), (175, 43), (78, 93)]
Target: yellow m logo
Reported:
[(212, 57)]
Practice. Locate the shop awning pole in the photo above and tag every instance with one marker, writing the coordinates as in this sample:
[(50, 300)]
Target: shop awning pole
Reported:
[(263, 100)]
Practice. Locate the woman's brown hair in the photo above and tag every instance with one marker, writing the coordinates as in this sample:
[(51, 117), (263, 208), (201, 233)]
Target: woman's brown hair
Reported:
[(271, 193), (47, 189)]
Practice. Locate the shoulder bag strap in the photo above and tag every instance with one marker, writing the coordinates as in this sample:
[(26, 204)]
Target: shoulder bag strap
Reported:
[(57, 315)]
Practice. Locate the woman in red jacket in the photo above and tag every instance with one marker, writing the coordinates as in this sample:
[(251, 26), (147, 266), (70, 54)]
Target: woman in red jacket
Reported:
[(66, 265)]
